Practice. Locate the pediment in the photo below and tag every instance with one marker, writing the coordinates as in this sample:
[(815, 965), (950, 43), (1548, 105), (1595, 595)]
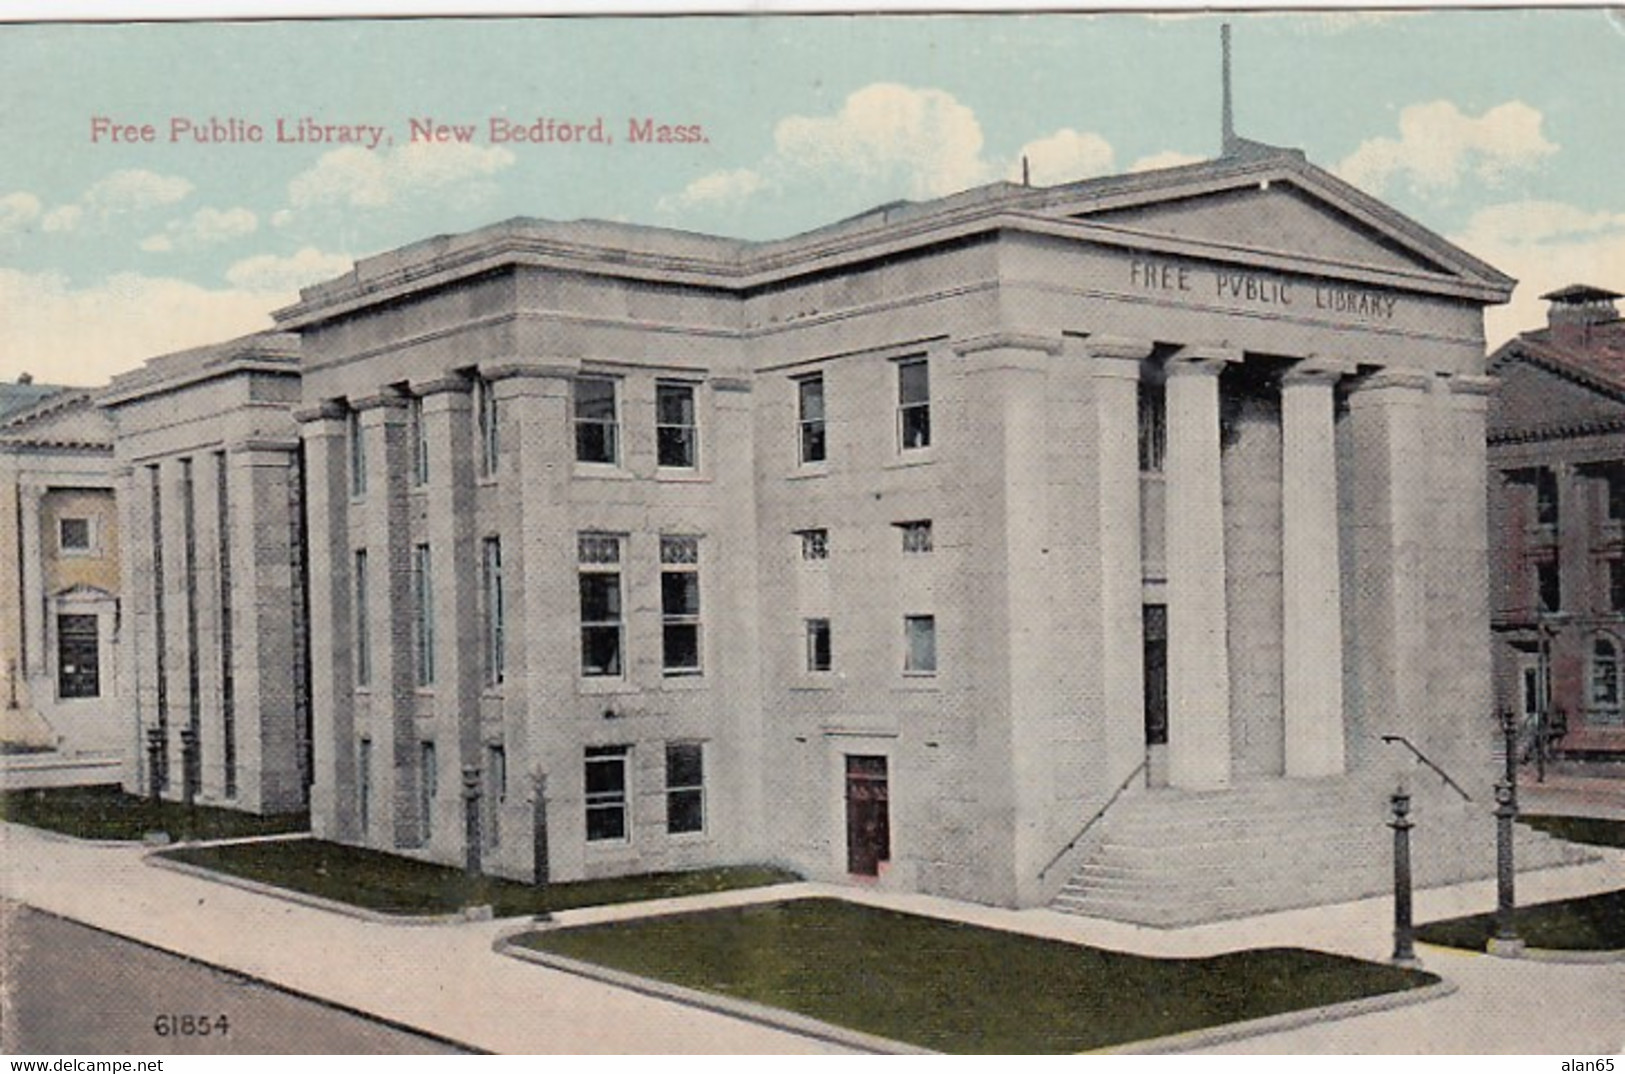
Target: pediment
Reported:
[(1535, 397), (66, 419)]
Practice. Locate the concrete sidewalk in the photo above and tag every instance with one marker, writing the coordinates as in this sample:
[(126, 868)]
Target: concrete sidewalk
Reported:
[(447, 980)]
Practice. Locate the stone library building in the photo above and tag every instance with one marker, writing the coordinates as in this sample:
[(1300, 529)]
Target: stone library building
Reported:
[(1072, 545)]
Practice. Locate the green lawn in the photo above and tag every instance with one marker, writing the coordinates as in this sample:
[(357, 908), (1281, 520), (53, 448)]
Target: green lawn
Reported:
[(395, 885), (1593, 830), (959, 988), (106, 812), (1593, 923)]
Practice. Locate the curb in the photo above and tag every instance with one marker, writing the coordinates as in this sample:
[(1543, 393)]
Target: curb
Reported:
[(1559, 956), (157, 859), (746, 1010)]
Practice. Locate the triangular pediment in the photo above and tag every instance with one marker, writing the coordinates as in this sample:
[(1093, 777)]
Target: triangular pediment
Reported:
[(1537, 396), (70, 417)]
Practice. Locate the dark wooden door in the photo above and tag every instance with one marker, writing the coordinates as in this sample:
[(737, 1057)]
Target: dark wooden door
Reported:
[(868, 823)]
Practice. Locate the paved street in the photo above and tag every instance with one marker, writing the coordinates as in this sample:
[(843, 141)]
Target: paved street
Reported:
[(446, 980), (75, 990)]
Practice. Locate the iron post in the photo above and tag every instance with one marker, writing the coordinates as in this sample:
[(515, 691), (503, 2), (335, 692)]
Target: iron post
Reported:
[(190, 769), (1506, 941), (1404, 930), (472, 835), (155, 762)]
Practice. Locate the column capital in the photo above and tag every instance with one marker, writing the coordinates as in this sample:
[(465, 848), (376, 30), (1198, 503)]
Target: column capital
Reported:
[(1316, 369), (388, 399), (1001, 341), (328, 410), (1202, 359), (552, 367), (1390, 377), (449, 385), (237, 449), (1116, 347)]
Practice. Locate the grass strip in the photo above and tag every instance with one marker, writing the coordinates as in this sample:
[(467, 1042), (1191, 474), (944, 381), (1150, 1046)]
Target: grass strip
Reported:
[(1597, 831), (960, 988), (107, 812), (1591, 923)]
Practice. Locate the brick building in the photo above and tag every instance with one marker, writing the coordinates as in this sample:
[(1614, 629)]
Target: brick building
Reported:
[(1069, 544), (1557, 487)]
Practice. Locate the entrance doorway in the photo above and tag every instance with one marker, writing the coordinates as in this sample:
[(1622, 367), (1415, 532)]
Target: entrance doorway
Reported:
[(868, 822)]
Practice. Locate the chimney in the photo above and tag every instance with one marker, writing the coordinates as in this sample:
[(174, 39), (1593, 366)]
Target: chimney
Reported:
[(1580, 306)]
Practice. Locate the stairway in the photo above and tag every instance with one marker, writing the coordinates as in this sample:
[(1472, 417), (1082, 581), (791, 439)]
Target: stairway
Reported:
[(1170, 857)]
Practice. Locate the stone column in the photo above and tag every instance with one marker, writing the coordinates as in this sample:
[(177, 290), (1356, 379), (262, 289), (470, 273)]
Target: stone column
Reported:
[(1112, 369), (459, 635), (333, 805), (1390, 536), (35, 600), (1312, 614), (1198, 636)]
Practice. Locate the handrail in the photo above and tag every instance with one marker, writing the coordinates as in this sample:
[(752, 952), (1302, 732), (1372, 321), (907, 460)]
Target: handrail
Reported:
[(1090, 823), (1420, 756)]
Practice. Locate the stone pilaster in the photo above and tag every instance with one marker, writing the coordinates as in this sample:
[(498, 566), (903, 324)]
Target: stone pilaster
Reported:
[(1198, 635), (1312, 616), (31, 506)]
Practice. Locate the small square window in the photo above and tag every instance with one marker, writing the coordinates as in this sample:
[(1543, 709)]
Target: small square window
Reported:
[(916, 536), (920, 644), (814, 544), (75, 535)]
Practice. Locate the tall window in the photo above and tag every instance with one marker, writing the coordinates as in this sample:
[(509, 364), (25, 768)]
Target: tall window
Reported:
[(423, 614), (428, 789), (680, 605), (1548, 585), (913, 404), (810, 417), (920, 644), (596, 424), (1153, 427), (420, 440), (1613, 475), (357, 451), (916, 536), (496, 792), (820, 654), (677, 433), (685, 787), (601, 632), (495, 612), (486, 426), (78, 657), (1616, 585), (606, 793), (1546, 505), (363, 783), (814, 544), (363, 631), (1604, 674)]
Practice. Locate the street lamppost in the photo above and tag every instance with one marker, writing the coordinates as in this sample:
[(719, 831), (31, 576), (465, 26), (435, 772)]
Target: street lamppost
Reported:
[(1505, 942), (1404, 932)]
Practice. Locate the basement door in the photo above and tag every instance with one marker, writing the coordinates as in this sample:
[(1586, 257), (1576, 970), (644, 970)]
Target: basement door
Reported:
[(868, 823)]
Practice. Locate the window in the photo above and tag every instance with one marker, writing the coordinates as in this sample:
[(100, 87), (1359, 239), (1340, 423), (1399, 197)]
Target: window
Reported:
[(606, 794), (1153, 427), (677, 435), (78, 656), (1604, 674), (810, 417), (1548, 585), (595, 420), (420, 440), (1613, 475), (486, 426), (74, 535), (814, 544), (819, 653), (1616, 585), (916, 536), (920, 640), (363, 631), (1154, 646), (496, 792), (600, 556), (363, 785), (495, 612), (685, 787), (428, 788), (357, 452), (913, 404), (680, 605), (423, 615), (1545, 496)]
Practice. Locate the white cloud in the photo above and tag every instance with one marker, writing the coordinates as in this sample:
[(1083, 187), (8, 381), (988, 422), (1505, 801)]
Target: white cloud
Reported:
[(85, 335), (203, 228), (1065, 157), (725, 189), (1438, 143), (922, 141), (17, 211), (1544, 245), (132, 189), (270, 273), (1168, 158), (63, 218), (370, 179)]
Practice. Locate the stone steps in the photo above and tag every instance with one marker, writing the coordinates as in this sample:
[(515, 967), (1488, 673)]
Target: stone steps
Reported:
[(1168, 857)]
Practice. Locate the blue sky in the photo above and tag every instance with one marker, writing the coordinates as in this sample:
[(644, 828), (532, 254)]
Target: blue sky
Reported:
[(1500, 130)]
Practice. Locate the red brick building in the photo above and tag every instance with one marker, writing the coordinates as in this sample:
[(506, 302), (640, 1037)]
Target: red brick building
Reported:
[(1557, 515)]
